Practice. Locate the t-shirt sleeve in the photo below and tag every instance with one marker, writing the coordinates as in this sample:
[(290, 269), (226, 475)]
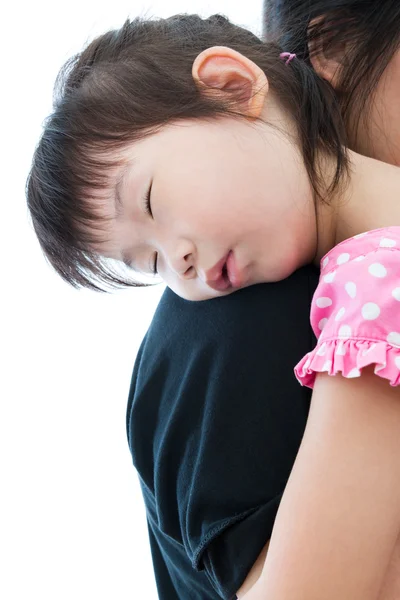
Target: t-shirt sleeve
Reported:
[(216, 418), (355, 314)]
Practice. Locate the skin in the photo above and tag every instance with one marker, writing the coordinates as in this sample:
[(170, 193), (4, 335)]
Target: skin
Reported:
[(383, 139), (235, 202), (378, 135)]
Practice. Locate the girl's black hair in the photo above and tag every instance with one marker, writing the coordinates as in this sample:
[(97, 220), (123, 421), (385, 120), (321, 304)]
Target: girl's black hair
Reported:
[(126, 85)]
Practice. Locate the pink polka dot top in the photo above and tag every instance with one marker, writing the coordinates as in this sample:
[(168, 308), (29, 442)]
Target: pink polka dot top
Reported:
[(355, 311)]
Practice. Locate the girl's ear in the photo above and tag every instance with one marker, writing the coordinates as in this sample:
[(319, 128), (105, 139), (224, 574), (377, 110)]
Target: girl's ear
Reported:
[(326, 59), (225, 74)]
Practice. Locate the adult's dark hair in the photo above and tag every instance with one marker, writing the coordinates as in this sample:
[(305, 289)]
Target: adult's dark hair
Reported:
[(126, 85), (369, 29)]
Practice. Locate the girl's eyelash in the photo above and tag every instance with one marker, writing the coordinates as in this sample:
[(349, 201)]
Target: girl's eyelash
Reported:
[(155, 271), (147, 202), (147, 206)]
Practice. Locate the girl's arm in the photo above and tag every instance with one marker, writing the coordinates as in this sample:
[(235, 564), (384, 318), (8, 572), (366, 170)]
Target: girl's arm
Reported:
[(340, 514)]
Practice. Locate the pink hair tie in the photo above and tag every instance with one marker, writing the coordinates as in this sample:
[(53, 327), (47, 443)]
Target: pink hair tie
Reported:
[(287, 55)]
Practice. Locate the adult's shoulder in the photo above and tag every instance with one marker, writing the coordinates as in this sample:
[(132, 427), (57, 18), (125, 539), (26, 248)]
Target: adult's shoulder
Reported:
[(260, 309), (242, 345)]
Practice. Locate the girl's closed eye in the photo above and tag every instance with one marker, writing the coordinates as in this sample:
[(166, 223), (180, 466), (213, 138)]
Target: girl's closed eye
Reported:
[(147, 201), (147, 205), (155, 261)]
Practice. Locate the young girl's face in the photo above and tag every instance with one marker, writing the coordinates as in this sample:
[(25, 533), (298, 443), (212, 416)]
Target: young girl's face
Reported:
[(230, 206)]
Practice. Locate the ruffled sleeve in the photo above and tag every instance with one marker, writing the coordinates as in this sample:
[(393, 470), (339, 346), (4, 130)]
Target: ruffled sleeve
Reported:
[(355, 312)]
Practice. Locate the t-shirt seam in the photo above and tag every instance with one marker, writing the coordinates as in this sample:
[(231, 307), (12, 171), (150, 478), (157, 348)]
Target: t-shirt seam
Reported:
[(216, 531)]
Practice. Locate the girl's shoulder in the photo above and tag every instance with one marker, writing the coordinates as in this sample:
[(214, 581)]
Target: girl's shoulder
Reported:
[(358, 247), (355, 311)]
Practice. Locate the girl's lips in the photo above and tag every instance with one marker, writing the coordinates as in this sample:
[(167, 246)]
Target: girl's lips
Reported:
[(221, 284), (215, 273), (217, 277), (233, 272), (224, 274)]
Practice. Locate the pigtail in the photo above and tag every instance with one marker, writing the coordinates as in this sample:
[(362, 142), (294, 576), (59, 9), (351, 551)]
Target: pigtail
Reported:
[(320, 124)]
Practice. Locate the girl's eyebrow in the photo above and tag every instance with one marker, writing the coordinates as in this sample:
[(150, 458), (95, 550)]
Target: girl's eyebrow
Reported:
[(119, 208), (119, 186), (118, 205)]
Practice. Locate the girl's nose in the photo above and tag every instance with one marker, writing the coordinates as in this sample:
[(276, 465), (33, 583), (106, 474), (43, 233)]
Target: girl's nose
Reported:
[(182, 260)]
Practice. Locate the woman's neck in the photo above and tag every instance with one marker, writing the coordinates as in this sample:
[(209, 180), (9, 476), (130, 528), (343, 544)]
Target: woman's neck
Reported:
[(370, 199)]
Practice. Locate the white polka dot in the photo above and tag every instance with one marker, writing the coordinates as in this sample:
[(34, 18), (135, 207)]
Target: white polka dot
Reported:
[(327, 366), (340, 314), (345, 331), (387, 243), (322, 323), (343, 258), (397, 362), (325, 262), (359, 258), (330, 277), (394, 338), (341, 349), (351, 289), (370, 311), (353, 373), (360, 235), (377, 270), (323, 302), (322, 349), (365, 352), (396, 294)]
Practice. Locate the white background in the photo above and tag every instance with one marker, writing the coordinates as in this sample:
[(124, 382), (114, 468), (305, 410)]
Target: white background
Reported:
[(72, 520)]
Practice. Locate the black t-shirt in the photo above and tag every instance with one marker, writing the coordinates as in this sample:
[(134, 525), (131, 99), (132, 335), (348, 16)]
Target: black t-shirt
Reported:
[(215, 419)]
